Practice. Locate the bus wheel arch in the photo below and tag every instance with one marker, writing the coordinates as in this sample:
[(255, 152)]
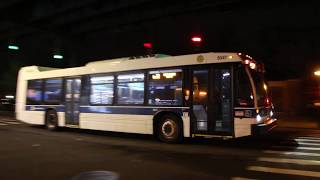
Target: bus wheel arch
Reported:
[(168, 127), (51, 119)]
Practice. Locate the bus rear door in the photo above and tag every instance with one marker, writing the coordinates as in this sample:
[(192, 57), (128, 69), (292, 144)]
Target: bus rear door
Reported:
[(72, 101)]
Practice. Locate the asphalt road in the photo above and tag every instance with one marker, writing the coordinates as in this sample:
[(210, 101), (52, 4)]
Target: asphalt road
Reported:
[(31, 152)]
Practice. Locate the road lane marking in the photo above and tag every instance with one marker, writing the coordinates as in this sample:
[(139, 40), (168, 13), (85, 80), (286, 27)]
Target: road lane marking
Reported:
[(12, 122), (306, 140), (298, 148), (292, 153), (8, 119), (308, 148), (310, 137), (241, 178), (291, 161), (1, 120), (308, 144), (284, 171)]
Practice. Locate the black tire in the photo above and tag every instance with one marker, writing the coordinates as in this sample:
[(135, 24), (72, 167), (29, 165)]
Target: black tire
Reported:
[(169, 129), (51, 120)]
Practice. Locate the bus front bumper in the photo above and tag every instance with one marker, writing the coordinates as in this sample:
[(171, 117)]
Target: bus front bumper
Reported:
[(264, 128)]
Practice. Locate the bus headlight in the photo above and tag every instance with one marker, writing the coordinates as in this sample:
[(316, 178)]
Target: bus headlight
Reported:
[(271, 113), (258, 118)]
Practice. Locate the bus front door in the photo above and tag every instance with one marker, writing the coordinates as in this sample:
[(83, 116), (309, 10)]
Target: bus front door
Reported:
[(72, 101), (212, 101)]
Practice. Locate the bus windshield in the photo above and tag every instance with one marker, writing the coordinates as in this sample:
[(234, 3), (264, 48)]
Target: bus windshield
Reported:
[(243, 90), (261, 88)]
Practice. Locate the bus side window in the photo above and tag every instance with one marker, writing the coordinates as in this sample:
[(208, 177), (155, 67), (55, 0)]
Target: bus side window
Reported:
[(165, 87), (130, 89), (34, 92), (85, 90), (101, 89), (52, 91)]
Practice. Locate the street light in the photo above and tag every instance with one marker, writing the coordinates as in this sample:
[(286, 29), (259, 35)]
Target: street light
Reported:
[(13, 47), (317, 73), (57, 56)]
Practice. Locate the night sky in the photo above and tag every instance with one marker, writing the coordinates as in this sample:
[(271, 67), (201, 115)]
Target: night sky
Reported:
[(285, 35)]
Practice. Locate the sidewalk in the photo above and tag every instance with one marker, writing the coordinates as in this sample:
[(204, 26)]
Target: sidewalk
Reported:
[(299, 122)]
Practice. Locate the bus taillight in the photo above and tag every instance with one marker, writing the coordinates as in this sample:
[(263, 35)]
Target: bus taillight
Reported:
[(267, 101)]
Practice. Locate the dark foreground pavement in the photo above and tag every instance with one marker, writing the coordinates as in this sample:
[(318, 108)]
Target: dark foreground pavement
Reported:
[(31, 152)]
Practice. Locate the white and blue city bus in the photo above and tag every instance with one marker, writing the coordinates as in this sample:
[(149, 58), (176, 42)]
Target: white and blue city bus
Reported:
[(172, 97)]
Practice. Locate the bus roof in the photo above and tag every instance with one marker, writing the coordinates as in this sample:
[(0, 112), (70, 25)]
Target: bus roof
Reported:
[(129, 63)]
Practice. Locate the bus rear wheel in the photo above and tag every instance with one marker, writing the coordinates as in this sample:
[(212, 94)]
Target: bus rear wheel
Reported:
[(51, 120), (169, 129)]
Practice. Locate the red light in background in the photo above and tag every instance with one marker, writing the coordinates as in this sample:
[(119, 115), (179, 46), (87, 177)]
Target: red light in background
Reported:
[(196, 39), (147, 45)]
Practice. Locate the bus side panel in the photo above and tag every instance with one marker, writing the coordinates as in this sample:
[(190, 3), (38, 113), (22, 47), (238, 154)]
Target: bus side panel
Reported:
[(242, 126), (38, 116), (32, 117), (61, 119), (186, 124), (128, 123), (20, 96)]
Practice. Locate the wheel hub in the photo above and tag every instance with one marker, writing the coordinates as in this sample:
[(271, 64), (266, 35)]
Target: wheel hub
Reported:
[(168, 128)]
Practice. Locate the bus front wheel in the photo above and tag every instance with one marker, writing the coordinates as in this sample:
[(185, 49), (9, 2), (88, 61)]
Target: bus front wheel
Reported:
[(169, 129), (51, 120)]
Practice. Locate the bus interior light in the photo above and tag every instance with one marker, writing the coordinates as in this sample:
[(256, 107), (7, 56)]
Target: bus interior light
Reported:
[(156, 76), (202, 93), (169, 75), (187, 93)]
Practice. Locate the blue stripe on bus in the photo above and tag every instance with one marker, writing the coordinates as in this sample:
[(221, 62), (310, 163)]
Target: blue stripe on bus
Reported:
[(58, 108), (127, 110), (112, 110)]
